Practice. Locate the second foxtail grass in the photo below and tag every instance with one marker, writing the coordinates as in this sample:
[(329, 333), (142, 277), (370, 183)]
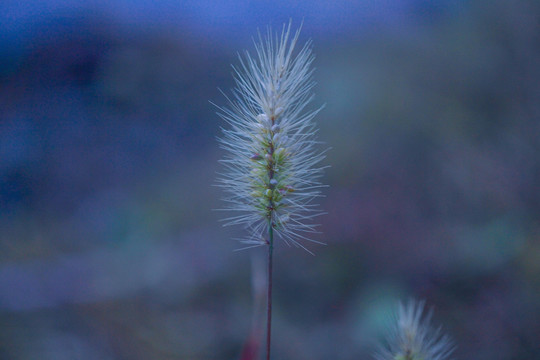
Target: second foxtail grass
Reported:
[(272, 162), (413, 337)]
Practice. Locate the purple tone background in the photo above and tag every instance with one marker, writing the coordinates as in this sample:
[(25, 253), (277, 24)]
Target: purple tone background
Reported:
[(109, 248)]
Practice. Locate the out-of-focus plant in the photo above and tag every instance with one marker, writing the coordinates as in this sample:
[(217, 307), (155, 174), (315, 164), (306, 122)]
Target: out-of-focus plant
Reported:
[(412, 336)]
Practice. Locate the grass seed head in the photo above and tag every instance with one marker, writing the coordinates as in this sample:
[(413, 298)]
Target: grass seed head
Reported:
[(272, 162)]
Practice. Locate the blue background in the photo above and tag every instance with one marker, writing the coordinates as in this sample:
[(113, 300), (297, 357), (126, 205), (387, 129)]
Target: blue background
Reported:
[(109, 248)]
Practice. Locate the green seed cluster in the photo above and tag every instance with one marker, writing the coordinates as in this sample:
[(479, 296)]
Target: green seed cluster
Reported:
[(270, 171)]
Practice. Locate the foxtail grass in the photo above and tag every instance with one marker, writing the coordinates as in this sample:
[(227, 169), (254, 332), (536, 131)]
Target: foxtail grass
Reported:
[(272, 162), (413, 337)]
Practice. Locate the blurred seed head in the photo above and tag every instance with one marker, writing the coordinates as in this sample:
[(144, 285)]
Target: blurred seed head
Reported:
[(412, 336)]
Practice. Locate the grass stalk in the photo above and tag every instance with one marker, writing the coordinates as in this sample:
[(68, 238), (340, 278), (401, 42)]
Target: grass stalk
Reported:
[(269, 294)]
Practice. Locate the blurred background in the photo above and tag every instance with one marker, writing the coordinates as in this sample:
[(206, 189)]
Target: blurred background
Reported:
[(110, 249)]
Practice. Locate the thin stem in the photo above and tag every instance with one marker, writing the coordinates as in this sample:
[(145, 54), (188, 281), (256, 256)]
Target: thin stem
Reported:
[(269, 300)]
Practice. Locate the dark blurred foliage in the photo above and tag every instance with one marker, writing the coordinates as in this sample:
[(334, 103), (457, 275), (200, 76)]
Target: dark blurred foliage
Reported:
[(109, 248)]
